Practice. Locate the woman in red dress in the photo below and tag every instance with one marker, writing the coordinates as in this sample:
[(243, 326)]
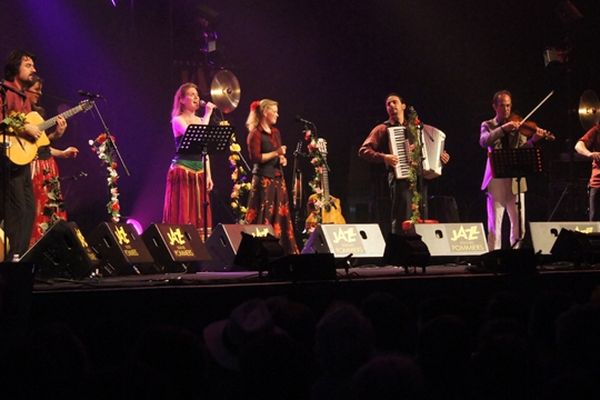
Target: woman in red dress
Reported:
[(268, 201), (49, 205)]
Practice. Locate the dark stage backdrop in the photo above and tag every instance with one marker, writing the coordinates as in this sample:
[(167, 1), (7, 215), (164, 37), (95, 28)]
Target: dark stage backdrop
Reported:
[(330, 62)]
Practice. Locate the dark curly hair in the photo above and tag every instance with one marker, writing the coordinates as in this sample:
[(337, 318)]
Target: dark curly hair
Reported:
[(13, 62)]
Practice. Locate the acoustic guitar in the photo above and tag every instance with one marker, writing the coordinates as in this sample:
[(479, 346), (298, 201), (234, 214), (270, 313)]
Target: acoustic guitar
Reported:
[(325, 205), (21, 150)]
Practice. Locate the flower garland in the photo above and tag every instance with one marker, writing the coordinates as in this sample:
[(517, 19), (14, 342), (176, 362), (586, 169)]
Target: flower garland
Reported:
[(414, 125), (315, 184), (101, 146), (15, 122), (239, 176), (55, 203)]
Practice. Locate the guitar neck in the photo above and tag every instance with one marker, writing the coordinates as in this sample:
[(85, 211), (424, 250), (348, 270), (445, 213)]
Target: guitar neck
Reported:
[(325, 182), (49, 123)]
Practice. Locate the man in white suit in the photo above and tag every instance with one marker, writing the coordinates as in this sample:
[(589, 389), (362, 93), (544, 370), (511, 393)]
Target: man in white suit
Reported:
[(502, 132)]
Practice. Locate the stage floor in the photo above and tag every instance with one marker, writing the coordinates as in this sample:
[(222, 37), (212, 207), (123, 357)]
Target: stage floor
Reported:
[(253, 278), (111, 312)]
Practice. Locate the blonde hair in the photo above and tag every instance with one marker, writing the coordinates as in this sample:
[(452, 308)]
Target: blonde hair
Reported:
[(179, 94), (257, 112)]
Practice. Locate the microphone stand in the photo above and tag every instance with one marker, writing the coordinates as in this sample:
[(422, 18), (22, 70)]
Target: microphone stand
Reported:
[(111, 140), (297, 189)]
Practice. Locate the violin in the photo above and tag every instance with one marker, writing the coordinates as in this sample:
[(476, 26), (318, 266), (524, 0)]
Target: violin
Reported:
[(529, 128)]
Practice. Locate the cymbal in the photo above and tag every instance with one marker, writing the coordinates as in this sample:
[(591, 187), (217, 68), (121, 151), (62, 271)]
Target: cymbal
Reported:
[(225, 91), (589, 109)]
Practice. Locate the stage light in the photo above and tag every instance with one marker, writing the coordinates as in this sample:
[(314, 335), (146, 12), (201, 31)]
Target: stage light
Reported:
[(136, 225), (114, 2)]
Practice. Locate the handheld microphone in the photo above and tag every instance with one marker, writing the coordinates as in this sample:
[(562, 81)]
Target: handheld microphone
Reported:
[(303, 121), (90, 95)]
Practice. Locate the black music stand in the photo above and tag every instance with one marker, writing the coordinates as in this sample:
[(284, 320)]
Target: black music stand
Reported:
[(517, 163), (205, 140)]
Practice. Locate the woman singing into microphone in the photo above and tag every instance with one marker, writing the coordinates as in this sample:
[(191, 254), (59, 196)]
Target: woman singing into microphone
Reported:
[(268, 201), (184, 193)]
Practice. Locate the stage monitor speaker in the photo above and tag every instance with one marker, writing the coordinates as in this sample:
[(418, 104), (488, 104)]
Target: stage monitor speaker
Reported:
[(577, 247), (406, 250), (121, 250), (175, 248), (512, 261), (255, 253), (544, 234), (304, 267), (223, 244), (364, 242), (62, 252), (461, 239)]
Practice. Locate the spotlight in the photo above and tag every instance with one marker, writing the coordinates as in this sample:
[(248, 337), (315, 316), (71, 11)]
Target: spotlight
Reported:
[(136, 225)]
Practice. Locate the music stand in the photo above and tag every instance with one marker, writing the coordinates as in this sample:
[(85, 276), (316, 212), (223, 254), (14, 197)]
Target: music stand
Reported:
[(517, 163), (205, 140)]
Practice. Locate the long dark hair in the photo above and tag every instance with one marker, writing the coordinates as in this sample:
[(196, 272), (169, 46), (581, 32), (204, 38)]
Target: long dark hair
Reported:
[(13, 62)]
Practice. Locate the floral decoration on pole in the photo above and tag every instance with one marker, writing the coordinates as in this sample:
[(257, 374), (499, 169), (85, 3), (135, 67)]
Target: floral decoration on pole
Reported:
[(315, 184), (414, 127), (101, 146), (240, 178)]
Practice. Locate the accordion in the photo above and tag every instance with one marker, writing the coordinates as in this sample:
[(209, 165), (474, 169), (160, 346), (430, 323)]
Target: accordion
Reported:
[(433, 145), (399, 147)]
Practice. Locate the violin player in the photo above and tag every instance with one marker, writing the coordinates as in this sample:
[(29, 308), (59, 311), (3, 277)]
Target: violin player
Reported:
[(589, 146), (503, 132)]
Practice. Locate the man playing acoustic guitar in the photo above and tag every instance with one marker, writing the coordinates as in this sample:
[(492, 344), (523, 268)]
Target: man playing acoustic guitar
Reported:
[(17, 208)]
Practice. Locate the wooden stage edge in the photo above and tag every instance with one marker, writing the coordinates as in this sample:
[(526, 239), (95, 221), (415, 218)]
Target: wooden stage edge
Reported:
[(195, 299)]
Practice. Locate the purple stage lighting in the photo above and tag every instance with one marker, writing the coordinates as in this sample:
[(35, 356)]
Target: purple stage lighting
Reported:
[(136, 225)]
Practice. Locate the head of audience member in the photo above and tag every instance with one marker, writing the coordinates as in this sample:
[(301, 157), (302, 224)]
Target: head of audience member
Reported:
[(578, 337), (167, 362), (388, 377), (344, 341), (226, 339), (393, 325), (503, 363), (295, 318), (276, 366)]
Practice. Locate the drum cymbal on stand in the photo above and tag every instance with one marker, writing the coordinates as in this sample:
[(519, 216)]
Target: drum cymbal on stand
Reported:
[(589, 109), (225, 91)]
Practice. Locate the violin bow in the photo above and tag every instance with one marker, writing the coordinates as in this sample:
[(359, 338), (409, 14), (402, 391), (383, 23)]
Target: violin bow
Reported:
[(538, 106)]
